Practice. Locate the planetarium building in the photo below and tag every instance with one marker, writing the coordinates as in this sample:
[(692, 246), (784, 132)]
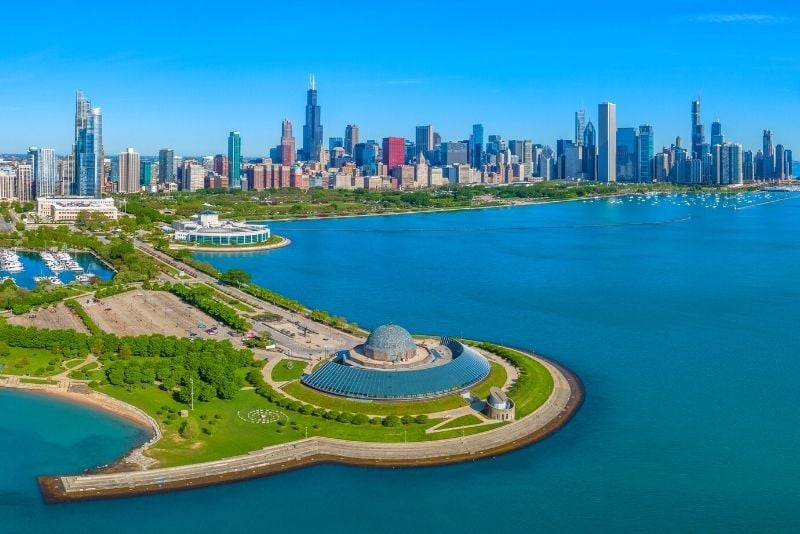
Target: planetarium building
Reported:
[(390, 365)]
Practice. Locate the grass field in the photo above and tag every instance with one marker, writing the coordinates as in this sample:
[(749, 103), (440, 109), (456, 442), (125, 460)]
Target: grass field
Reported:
[(229, 435), (464, 420), (35, 362), (311, 396), (288, 369), (534, 385)]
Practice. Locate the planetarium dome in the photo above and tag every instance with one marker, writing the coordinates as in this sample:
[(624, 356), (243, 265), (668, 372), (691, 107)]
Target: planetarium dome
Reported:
[(390, 343)]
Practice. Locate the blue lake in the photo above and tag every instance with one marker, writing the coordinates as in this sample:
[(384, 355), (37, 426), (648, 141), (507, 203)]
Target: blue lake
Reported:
[(35, 266), (678, 313)]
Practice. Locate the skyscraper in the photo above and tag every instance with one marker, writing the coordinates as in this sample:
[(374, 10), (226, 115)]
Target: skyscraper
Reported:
[(768, 169), (234, 160), (698, 131), (288, 150), (424, 141), (394, 149), (45, 171), (88, 149), (166, 165), (146, 173), (607, 142), (580, 126), (312, 129), (477, 148), (716, 134), (644, 154), (627, 162), (589, 152), (780, 163), (350, 138), (221, 164), (129, 171)]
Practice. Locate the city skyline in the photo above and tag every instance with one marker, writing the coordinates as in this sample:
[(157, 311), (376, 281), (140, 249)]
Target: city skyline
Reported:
[(248, 87)]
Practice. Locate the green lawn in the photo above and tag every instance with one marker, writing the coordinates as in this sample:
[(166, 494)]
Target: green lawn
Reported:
[(464, 420), (497, 378), (287, 370), (311, 396), (229, 435), (534, 385), (35, 362), (69, 364)]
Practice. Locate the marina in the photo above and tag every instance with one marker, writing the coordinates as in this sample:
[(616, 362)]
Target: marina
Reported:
[(27, 268)]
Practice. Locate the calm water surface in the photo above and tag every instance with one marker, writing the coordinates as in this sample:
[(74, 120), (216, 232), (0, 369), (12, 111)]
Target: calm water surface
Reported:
[(678, 313)]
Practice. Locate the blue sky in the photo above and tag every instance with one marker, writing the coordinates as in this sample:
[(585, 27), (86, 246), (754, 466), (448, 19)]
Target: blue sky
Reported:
[(181, 75)]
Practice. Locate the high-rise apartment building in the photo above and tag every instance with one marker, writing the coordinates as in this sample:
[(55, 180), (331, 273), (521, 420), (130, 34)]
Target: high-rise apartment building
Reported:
[(234, 160), (312, 129), (607, 142), (350, 138), (45, 171), (88, 149), (129, 172), (166, 165), (24, 182), (453, 153), (221, 165)]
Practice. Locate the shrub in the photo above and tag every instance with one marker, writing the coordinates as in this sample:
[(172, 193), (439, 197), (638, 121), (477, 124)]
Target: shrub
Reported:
[(360, 419), (344, 417), (421, 419), (189, 429), (407, 419), (391, 421)]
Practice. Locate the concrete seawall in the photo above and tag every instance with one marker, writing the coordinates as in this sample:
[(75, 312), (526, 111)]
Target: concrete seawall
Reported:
[(562, 404)]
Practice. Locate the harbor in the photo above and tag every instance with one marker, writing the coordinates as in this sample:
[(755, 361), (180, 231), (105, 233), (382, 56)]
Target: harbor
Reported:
[(28, 268)]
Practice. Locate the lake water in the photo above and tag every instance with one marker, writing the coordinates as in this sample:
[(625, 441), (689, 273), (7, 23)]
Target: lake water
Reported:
[(35, 266), (678, 313)]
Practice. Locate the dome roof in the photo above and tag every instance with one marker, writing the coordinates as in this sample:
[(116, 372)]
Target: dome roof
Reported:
[(390, 338)]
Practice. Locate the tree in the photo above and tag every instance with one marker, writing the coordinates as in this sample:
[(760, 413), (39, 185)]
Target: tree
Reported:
[(189, 429), (5, 350), (237, 277), (207, 393)]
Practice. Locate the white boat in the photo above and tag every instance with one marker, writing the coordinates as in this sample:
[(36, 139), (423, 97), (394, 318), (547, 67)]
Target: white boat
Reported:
[(56, 281)]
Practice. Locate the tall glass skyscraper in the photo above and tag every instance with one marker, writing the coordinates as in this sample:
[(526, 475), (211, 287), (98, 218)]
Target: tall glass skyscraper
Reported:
[(312, 129), (716, 134), (166, 164), (88, 178), (698, 131), (45, 171), (580, 126), (644, 154), (477, 147), (607, 142), (234, 160), (589, 154)]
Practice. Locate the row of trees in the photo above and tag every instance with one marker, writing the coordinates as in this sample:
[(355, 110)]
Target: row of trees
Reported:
[(66, 342), (255, 379), (202, 297), (88, 322), (20, 300)]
